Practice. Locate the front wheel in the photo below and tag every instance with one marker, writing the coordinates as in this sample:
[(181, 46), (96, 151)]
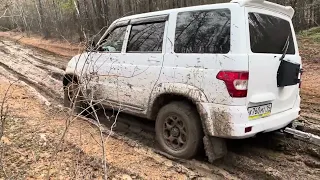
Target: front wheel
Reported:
[(73, 98), (178, 130)]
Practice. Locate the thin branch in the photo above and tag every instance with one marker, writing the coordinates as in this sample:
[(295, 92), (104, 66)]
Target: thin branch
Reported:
[(5, 11)]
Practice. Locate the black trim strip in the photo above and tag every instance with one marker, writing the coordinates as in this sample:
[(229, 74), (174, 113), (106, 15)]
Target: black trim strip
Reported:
[(151, 19)]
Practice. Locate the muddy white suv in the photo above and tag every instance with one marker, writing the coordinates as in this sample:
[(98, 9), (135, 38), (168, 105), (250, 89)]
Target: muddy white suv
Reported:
[(203, 73)]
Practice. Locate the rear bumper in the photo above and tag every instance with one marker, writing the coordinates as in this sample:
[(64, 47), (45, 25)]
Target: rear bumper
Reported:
[(231, 121)]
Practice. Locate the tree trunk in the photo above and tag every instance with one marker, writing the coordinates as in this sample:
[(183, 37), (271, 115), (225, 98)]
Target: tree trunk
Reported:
[(42, 25)]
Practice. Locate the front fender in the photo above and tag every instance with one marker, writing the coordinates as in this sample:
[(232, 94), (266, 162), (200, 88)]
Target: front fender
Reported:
[(77, 64)]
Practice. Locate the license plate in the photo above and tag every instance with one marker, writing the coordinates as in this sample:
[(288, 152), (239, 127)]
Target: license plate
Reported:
[(259, 111)]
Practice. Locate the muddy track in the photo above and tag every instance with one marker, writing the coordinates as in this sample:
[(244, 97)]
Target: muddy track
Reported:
[(268, 156), (62, 67), (37, 85)]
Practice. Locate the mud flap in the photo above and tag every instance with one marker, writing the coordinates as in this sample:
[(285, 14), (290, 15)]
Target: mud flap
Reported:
[(215, 148)]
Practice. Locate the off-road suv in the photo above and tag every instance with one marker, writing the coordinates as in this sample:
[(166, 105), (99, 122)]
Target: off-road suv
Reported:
[(203, 73)]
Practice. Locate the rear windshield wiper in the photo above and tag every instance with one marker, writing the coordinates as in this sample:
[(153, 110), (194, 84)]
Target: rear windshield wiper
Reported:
[(285, 48)]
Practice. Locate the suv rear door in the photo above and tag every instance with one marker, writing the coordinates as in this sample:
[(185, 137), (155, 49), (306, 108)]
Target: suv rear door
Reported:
[(268, 33)]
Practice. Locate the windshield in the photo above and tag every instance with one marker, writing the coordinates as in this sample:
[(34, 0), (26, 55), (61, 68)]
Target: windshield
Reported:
[(269, 34)]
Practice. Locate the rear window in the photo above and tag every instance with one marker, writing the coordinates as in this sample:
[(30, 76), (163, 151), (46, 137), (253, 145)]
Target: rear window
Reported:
[(203, 32), (268, 34)]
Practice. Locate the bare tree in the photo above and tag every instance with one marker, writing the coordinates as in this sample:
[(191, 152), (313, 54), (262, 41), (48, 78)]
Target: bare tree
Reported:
[(42, 25), (70, 19)]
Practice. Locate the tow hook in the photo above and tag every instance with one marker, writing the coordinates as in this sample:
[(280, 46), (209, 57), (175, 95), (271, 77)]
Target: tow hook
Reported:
[(296, 128)]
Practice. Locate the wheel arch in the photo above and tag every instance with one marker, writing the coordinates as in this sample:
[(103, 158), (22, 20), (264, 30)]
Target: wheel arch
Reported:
[(69, 77), (165, 93)]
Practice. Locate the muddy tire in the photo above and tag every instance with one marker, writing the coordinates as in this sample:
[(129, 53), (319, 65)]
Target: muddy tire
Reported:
[(73, 98), (178, 130)]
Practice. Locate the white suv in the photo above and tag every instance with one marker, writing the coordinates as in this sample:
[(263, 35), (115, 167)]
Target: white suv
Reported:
[(207, 72)]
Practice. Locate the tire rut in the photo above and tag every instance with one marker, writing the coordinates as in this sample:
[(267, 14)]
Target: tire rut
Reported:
[(61, 67), (4, 50), (38, 86), (254, 152), (144, 134)]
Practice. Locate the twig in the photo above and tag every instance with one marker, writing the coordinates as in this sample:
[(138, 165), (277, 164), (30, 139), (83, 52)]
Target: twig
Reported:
[(16, 41), (3, 109), (5, 11)]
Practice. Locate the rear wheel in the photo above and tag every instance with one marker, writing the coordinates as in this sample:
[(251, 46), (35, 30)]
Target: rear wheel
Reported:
[(178, 130)]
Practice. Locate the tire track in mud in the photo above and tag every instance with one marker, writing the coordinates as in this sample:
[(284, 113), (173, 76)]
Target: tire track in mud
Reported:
[(266, 157), (46, 77), (259, 158), (247, 159), (144, 142), (140, 148), (310, 113), (4, 50), (277, 155), (136, 131), (61, 67), (52, 95)]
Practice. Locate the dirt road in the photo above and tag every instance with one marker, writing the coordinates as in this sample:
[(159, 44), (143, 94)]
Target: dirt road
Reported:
[(267, 157)]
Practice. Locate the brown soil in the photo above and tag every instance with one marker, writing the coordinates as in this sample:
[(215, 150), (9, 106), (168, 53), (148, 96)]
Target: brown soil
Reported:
[(32, 134), (310, 53), (64, 48)]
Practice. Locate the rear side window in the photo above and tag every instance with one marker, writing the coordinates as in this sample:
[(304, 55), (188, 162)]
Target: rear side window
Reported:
[(203, 32), (268, 34), (146, 37)]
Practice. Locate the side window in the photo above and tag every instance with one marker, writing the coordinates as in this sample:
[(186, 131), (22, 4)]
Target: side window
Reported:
[(146, 37), (203, 32), (114, 41)]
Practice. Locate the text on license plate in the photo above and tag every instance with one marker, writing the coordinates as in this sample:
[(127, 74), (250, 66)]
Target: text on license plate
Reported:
[(259, 111)]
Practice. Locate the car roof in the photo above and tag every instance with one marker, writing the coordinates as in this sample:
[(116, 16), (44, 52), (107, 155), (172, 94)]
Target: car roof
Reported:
[(287, 10), (169, 11)]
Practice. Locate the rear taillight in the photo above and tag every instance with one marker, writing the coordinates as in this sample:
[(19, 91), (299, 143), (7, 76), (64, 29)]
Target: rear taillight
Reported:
[(236, 82)]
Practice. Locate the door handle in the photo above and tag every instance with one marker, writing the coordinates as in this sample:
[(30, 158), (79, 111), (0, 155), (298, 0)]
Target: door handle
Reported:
[(113, 59), (153, 59)]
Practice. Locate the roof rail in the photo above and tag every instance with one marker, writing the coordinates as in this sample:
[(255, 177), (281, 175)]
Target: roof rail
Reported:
[(287, 10)]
